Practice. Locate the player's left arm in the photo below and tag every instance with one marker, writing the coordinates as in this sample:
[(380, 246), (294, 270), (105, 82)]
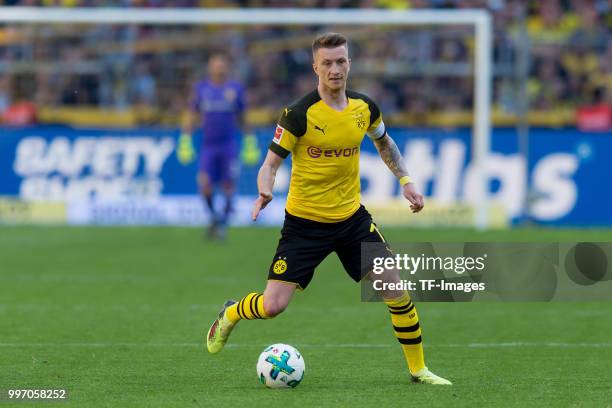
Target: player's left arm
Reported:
[(390, 154)]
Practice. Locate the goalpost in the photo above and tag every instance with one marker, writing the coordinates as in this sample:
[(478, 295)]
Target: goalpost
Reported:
[(478, 18)]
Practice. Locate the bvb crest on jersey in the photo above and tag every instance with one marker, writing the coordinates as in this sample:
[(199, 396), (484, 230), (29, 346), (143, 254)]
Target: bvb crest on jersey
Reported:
[(359, 120)]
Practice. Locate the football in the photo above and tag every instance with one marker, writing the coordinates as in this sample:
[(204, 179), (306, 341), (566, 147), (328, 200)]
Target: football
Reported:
[(280, 366)]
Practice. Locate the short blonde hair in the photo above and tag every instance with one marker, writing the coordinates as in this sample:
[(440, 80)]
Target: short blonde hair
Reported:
[(329, 40)]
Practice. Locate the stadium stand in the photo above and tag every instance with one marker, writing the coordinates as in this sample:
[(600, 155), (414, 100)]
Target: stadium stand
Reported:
[(138, 75)]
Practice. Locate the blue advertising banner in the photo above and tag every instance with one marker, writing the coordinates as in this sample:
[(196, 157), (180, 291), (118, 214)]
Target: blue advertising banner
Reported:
[(566, 171)]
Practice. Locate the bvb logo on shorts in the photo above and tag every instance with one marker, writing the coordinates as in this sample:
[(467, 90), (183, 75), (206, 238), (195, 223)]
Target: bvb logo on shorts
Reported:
[(280, 266)]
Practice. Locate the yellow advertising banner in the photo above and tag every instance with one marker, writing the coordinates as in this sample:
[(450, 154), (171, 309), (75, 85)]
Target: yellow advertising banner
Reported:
[(17, 211), (396, 212)]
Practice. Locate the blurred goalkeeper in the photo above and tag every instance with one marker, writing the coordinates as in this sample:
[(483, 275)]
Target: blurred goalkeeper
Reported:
[(323, 132), (220, 102)]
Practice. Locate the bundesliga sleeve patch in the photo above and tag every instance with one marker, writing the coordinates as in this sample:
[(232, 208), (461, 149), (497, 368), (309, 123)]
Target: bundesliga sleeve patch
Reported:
[(278, 135)]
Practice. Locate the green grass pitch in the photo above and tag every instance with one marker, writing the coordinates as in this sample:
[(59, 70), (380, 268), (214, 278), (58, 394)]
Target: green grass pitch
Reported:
[(117, 316)]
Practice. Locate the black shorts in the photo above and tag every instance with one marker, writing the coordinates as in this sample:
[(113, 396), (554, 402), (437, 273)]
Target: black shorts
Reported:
[(304, 244)]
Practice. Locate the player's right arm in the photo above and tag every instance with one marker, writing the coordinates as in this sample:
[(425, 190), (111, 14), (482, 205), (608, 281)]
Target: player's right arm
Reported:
[(282, 144), (192, 113), (185, 151), (189, 122), (265, 181)]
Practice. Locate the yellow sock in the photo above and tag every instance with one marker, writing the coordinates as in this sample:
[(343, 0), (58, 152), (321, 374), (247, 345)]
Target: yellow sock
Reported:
[(248, 308), (407, 330)]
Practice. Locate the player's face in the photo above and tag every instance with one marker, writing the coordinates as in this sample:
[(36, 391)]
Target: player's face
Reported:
[(217, 68), (332, 66)]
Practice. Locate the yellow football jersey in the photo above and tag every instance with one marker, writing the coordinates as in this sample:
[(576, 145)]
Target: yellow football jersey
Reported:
[(325, 144)]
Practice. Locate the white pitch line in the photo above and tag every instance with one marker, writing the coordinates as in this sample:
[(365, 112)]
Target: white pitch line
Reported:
[(338, 345), (95, 345), (528, 344), (103, 308)]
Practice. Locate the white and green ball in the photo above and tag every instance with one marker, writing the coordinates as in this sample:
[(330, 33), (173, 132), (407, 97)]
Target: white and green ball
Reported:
[(280, 366)]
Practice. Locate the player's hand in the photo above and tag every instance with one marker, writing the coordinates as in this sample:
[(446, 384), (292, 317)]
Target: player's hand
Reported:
[(260, 203), (411, 194), (184, 151)]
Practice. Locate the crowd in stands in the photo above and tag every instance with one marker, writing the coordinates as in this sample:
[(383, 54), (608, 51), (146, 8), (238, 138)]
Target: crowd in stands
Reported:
[(560, 49)]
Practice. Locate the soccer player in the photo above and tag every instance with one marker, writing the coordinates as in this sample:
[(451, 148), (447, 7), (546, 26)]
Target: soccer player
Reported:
[(221, 103), (323, 130)]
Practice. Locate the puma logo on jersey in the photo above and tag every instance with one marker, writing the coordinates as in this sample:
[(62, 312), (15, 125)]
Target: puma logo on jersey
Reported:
[(320, 129)]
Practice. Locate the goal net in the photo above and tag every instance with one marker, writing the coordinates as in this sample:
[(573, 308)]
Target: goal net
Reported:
[(122, 78)]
